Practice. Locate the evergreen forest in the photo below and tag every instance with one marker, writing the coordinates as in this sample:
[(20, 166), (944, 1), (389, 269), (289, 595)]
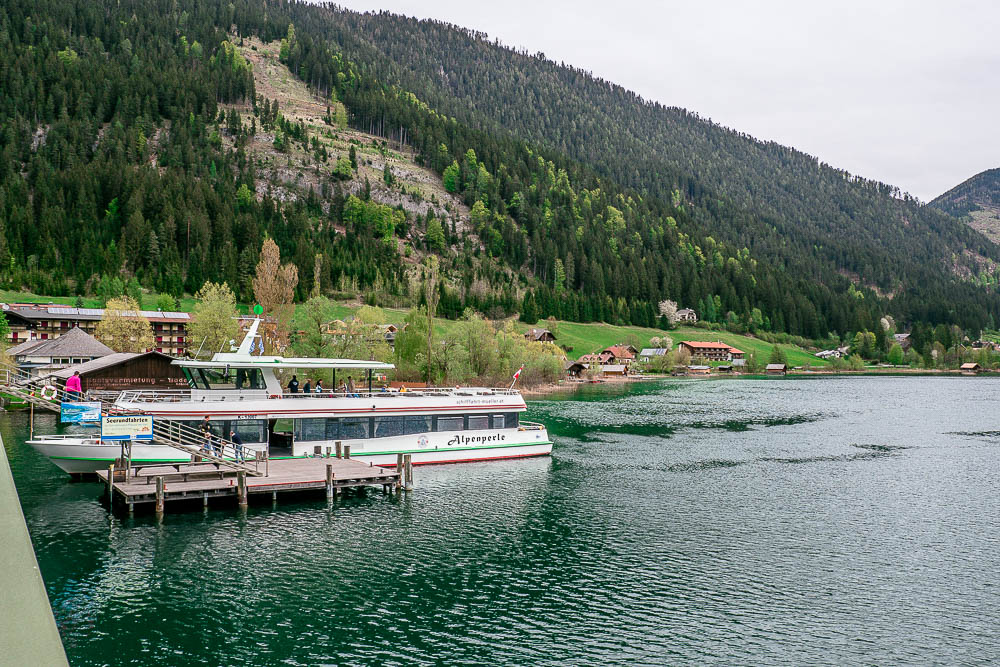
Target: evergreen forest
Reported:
[(125, 151)]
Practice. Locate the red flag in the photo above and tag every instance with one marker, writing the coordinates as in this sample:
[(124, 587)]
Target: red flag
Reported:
[(518, 373)]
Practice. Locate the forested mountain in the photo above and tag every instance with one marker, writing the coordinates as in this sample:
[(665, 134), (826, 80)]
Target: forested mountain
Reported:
[(977, 201), (127, 146)]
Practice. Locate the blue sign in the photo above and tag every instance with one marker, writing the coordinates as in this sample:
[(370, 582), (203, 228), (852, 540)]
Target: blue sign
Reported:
[(79, 413)]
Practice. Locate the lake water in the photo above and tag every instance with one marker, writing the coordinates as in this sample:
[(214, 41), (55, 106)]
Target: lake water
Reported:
[(786, 521)]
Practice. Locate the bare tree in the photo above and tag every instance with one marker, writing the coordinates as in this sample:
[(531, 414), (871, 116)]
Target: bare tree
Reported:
[(274, 288), (668, 309)]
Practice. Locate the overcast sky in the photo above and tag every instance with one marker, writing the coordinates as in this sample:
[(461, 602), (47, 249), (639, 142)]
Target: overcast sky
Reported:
[(902, 92)]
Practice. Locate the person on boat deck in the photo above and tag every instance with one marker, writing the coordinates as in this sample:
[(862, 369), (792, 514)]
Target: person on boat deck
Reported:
[(307, 388), (237, 445), (319, 386), (350, 387), (343, 387), (206, 433), (73, 387), (293, 385)]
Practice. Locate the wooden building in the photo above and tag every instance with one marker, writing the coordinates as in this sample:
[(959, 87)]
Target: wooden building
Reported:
[(776, 369), (121, 371), (971, 369), (542, 335), (574, 369)]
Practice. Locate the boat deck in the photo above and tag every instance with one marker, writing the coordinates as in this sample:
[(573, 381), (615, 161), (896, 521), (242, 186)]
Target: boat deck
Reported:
[(158, 484)]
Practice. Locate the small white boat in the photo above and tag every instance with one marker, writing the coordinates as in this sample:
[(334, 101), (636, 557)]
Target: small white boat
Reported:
[(241, 392)]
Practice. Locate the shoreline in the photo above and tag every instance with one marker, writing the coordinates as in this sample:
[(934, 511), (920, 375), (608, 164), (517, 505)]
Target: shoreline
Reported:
[(549, 389)]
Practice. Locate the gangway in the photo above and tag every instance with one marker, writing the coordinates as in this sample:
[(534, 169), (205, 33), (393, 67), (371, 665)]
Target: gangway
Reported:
[(190, 440)]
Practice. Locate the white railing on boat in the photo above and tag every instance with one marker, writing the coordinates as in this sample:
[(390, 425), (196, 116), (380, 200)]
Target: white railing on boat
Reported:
[(186, 395)]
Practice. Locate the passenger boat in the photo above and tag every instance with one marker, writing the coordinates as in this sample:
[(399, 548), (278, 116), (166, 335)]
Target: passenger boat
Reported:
[(241, 392)]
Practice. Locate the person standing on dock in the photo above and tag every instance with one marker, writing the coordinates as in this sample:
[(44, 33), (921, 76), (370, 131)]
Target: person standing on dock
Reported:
[(73, 387), (293, 385), (350, 387), (307, 387), (206, 433), (237, 445)]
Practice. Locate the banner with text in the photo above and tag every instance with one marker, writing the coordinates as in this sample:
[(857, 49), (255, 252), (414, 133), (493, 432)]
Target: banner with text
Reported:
[(79, 413), (132, 427)]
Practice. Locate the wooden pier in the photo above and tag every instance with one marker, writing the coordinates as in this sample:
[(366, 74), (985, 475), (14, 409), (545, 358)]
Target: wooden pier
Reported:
[(162, 483)]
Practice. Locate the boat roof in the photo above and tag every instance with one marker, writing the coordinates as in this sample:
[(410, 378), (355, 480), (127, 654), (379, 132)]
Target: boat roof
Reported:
[(236, 360)]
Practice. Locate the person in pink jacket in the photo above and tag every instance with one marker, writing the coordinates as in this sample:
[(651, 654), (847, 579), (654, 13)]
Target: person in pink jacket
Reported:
[(73, 387)]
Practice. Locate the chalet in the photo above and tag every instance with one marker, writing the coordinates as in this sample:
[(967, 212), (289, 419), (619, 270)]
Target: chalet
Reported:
[(717, 351), (904, 341), (738, 357), (574, 369), (121, 371), (541, 335), (47, 321), (596, 358), (686, 315), (621, 353), (76, 346), (649, 353), (614, 369), (699, 370), (776, 369), (970, 369)]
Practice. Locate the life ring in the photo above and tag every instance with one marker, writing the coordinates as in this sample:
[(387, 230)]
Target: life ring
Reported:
[(49, 392), (275, 396)]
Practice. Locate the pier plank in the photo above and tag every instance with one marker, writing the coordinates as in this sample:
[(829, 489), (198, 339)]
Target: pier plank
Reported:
[(199, 480)]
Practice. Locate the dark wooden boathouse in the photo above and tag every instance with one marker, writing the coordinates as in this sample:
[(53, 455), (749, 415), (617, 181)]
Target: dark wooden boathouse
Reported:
[(126, 370)]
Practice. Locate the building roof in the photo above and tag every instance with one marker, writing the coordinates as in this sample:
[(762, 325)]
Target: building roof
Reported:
[(970, 366), (733, 350), (776, 367), (620, 351), (74, 343), (573, 364), (685, 311), (653, 351), (37, 311), (705, 345), (536, 334), (612, 368), (108, 361), (699, 368)]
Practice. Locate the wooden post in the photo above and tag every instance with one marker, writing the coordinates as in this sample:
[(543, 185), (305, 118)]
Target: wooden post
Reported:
[(399, 463), (204, 500), (111, 482), (329, 480), (347, 451), (241, 488), (159, 494), (408, 465), (340, 449), (31, 421)]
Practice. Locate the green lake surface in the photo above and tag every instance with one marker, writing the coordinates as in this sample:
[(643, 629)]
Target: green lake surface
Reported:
[(777, 521)]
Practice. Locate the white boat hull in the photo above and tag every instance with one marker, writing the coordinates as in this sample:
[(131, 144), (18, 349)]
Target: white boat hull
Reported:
[(85, 455)]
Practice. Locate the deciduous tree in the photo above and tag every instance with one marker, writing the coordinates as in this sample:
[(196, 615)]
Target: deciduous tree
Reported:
[(123, 328)]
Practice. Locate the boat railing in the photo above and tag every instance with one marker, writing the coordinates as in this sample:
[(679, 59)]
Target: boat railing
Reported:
[(186, 395)]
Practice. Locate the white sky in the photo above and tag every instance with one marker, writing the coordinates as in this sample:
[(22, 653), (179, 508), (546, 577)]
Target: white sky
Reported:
[(903, 92)]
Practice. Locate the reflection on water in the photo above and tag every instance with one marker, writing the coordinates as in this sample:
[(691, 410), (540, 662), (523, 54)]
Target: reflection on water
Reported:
[(778, 521)]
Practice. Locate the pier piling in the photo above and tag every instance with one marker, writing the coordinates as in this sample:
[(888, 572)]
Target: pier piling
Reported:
[(340, 449), (160, 486), (241, 488), (329, 481), (347, 451), (408, 472)]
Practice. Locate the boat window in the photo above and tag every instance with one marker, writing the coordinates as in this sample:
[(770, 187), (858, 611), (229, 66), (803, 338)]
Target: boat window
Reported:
[(352, 428), (512, 419), (387, 427), (478, 422), (333, 428), (310, 429), (450, 423), (417, 425), (250, 430), (498, 421), (229, 378)]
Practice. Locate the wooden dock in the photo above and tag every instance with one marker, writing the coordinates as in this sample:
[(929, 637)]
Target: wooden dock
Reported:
[(159, 484)]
